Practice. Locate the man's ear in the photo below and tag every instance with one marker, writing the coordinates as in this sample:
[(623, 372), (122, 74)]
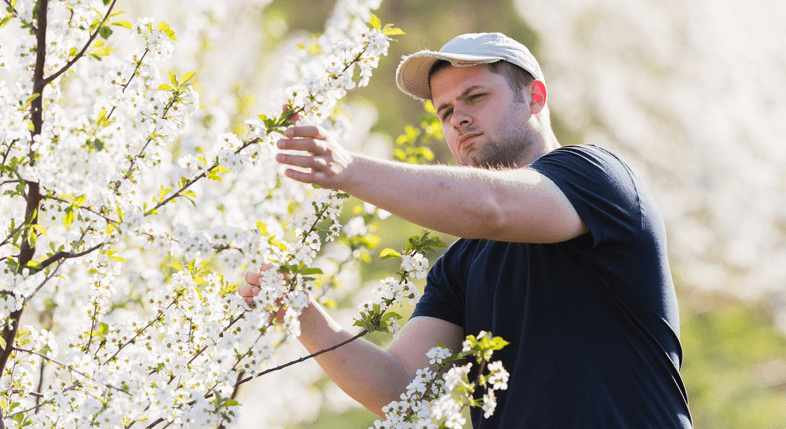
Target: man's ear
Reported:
[(537, 97)]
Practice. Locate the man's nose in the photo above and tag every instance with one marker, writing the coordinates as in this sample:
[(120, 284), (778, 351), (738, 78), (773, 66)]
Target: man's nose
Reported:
[(460, 118)]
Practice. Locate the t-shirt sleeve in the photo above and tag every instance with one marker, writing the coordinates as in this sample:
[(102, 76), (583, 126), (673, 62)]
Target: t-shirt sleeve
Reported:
[(445, 291), (602, 190)]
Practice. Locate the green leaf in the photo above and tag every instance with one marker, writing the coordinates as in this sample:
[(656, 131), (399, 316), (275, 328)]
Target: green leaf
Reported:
[(390, 315), (176, 265), (173, 79), (278, 244), (262, 228), (106, 2), (163, 193), (231, 402), (124, 24), (105, 32), (389, 253), (103, 329), (163, 26), (187, 77), (6, 20), (374, 21), (165, 87), (311, 271), (69, 216), (393, 32), (39, 229)]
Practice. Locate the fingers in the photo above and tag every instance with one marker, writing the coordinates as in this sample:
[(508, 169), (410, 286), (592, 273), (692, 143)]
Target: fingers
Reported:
[(303, 161), (303, 144), (248, 292), (305, 177), (252, 278), (307, 131)]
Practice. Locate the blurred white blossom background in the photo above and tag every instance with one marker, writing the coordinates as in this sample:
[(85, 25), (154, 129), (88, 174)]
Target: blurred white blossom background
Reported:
[(692, 93)]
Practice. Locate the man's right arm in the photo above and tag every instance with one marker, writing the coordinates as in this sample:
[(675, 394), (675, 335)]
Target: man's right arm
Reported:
[(369, 374)]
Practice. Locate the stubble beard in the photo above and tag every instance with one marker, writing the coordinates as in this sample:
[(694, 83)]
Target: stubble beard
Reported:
[(510, 152)]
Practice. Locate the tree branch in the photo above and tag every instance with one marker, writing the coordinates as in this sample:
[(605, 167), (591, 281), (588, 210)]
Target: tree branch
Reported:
[(26, 251), (68, 255)]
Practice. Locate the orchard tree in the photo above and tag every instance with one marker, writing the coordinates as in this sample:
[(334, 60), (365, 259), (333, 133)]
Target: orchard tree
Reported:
[(117, 225)]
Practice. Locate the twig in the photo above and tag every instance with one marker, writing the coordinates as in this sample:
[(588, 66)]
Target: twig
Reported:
[(142, 330), (14, 12), (12, 234), (79, 55), (85, 208), (288, 364), (127, 175), (136, 69)]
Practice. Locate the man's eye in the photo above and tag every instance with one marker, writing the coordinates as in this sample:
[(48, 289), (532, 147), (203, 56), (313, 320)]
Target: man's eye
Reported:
[(446, 115), (474, 97)]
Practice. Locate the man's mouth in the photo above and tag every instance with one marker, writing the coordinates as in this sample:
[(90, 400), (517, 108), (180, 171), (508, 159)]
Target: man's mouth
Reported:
[(464, 138)]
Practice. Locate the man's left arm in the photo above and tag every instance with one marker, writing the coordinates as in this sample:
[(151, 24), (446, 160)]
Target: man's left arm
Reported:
[(518, 205)]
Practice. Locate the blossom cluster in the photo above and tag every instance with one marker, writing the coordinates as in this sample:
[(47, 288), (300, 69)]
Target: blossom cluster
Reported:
[(438, 394)]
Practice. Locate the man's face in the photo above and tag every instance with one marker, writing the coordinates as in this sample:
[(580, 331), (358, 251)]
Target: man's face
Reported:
[(483, 123)]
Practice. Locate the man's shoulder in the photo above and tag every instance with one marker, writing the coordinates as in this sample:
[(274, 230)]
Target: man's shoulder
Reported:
[(577, 152)]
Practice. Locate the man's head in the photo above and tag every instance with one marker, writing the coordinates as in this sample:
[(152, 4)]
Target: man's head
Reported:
[(517, 77), (412, 76), (490, 96)]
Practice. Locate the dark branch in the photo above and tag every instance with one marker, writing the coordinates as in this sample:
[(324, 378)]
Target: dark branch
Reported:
[(69, 255)]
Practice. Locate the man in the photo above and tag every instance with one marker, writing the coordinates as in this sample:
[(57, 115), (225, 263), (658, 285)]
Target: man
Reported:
[(563, 253)]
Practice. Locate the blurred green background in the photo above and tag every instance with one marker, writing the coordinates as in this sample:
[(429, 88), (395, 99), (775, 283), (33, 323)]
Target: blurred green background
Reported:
[(733, 354)]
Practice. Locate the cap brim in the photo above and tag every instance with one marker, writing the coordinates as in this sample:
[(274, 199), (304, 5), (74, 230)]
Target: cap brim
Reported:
[(412, 73)]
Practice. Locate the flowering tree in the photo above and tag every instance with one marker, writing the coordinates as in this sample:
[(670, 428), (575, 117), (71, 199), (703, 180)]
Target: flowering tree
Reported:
[(117, 223)]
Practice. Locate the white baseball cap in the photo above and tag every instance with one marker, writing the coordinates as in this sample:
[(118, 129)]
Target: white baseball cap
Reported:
[(465, 50)]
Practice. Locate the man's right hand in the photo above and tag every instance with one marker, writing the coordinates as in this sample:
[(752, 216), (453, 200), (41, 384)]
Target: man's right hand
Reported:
[(251, 289)]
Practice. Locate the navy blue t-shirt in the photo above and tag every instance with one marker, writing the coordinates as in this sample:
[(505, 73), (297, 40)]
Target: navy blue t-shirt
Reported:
[(592, 322)]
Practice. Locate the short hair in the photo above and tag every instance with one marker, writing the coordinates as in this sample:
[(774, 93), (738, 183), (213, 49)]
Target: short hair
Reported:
[(517, 77)]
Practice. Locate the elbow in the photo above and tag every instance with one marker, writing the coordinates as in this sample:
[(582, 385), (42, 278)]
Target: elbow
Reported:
[(496, 225), (490, 221)]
